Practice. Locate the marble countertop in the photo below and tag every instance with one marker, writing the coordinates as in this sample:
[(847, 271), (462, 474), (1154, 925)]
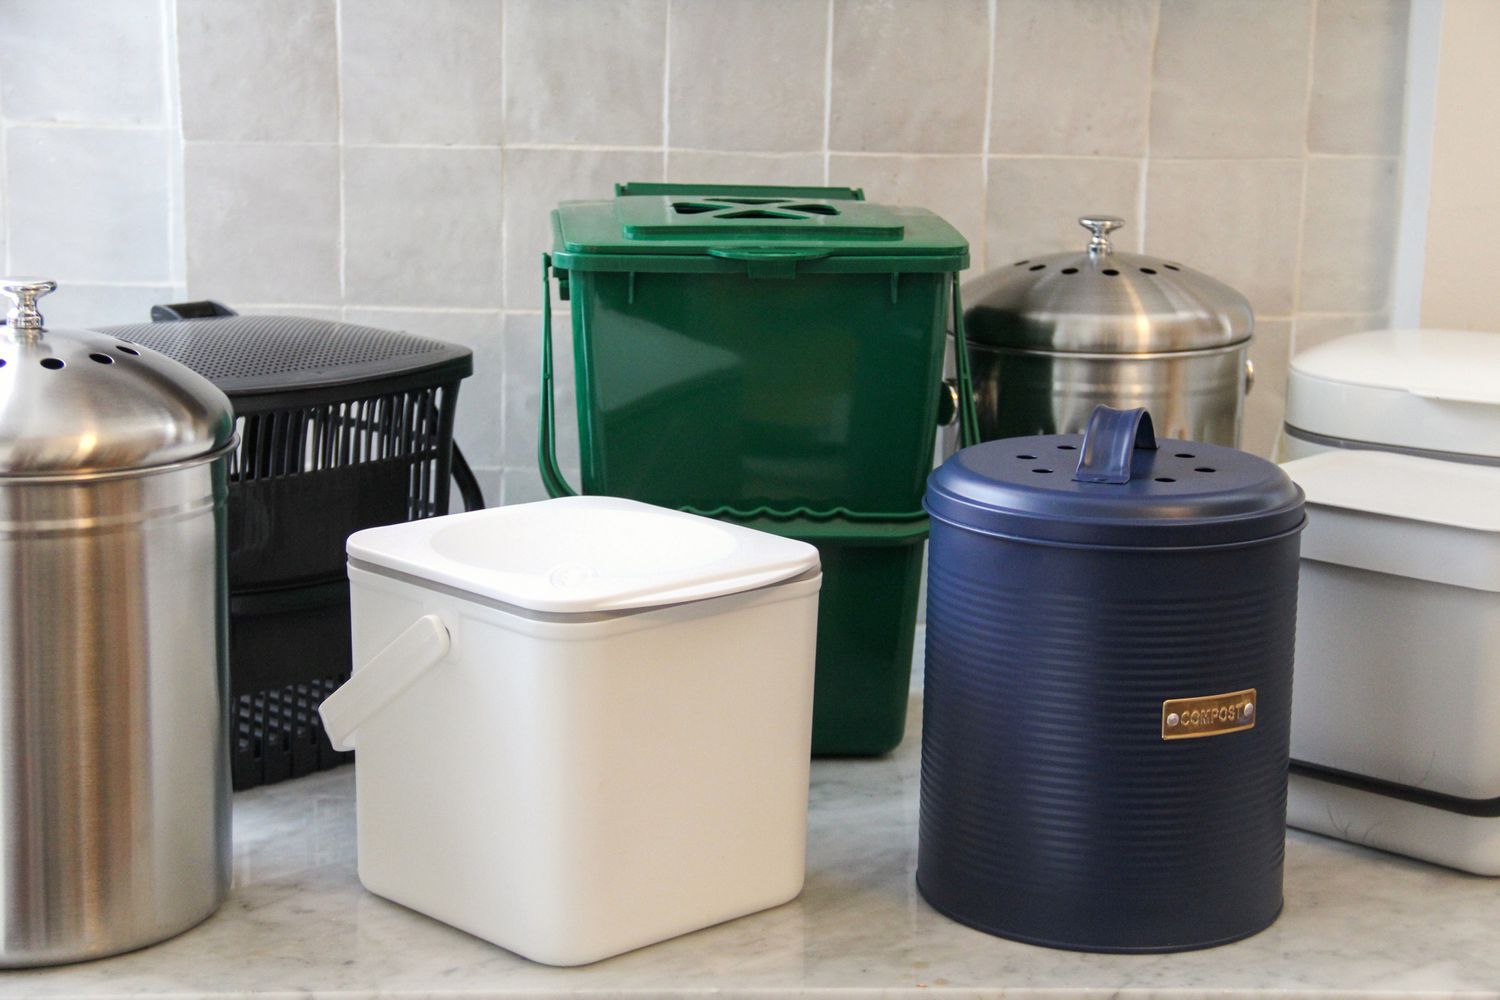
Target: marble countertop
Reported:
[(1357, 923)]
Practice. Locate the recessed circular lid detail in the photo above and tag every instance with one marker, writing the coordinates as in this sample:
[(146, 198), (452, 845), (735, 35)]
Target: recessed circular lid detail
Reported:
[(81, 402), (584, 554), (1103, 301), (1115, 485)]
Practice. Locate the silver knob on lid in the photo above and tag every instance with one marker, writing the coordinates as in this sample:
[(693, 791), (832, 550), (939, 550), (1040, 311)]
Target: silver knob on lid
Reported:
[(1100, 226), (23, 294)]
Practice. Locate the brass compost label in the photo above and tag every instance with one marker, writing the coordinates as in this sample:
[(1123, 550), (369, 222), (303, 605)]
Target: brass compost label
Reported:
[(1208, 715)]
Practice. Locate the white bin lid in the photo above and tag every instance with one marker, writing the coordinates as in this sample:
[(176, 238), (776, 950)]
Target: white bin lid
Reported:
[(1426, 390), (583, 554), (1377, 510)]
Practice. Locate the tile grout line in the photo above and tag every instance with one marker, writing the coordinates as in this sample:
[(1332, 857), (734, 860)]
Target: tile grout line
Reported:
[(993, 13), (828, 93), (1141, 204), (666, 96), (338, 103), (1307, 95), (500, 392), (176, 179)]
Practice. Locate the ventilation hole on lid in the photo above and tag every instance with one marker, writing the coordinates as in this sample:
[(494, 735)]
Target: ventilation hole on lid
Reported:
[(103, 359), (1067, 447), (128, 350), (693, 207), (1165, 479), (1041, 470), (813, 209), (758, 213), (52, 363), (1036, 267), (1204, 468), (753, 201), (1185, 454), (1020, 262), (1109, 271), (1148, 270), (1172, 267), (1029, 458), (1070, 270)]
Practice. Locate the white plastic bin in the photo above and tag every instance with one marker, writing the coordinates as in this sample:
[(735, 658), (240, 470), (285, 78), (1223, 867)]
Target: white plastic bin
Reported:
[(583, 725), (1394, 735)]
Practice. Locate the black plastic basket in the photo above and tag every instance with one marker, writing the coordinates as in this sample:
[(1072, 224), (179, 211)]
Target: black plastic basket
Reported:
[(342, 427)]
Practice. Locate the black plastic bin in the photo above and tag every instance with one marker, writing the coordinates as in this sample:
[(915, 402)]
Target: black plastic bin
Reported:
[(341, 427)]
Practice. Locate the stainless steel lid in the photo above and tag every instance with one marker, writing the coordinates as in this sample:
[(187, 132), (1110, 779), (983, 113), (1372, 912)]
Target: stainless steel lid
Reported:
[(1103, 301), (80, 402)]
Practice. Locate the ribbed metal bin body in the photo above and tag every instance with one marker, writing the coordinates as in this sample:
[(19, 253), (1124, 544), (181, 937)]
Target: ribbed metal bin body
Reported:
[(1052, 809)]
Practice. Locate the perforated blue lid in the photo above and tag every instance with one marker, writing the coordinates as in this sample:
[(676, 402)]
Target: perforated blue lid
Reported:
[(1114, 485)]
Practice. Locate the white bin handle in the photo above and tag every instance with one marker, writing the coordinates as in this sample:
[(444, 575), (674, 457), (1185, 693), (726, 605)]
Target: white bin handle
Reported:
[(379, 682)]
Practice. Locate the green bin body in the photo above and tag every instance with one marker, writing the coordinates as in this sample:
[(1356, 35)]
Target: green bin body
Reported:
[(771, 356)]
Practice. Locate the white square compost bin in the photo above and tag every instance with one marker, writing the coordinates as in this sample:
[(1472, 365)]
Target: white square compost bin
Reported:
[(1394, 736), (583, 725)]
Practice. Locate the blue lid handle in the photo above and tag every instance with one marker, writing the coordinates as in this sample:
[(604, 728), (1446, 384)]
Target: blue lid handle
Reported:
[(1109, 444)]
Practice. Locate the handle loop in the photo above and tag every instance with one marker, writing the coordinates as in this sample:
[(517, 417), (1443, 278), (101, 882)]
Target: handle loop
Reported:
[(1110, 443), (379, 682)]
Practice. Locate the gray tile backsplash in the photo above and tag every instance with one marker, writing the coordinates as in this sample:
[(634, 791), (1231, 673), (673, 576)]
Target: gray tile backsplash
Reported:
[(394, 162), (1230, 78), (258, 70), (901, 72), (420, 73), (84, 61), (262, 222), (1072, 77), (422, 226), (89, 203)]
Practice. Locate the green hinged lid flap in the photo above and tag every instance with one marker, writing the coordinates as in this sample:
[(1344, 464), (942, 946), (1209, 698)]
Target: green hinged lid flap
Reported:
[(720, 229)]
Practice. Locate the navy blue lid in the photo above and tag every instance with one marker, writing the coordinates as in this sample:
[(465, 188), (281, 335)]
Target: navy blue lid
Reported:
[(1116, 485)]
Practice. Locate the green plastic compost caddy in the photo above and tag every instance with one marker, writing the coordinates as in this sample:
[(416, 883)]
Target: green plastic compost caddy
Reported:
[(772, 356)]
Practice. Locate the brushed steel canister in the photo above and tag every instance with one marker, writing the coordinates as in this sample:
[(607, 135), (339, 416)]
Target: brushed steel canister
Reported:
[(114, 781), (1053, 336)]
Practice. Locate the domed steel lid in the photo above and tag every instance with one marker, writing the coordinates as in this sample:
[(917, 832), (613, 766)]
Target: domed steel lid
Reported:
[(1115, 485), (1103, 301), (80, 402)]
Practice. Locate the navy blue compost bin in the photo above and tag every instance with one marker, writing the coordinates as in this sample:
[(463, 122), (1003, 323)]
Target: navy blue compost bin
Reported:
[(1108, 689)]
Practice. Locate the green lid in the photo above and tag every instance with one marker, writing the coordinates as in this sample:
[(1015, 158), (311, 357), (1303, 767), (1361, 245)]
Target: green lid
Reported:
[(774, 232)]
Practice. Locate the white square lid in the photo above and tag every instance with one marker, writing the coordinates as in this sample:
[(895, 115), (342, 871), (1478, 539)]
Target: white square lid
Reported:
[(584, 554), (1424, 390)]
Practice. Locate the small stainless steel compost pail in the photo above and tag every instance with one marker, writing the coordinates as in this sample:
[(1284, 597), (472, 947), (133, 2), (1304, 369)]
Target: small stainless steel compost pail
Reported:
[(114, 795), (1051, 337), (1108, 688)]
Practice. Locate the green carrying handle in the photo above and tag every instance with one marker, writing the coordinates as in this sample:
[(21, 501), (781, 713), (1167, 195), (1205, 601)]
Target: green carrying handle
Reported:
[(557, 484)]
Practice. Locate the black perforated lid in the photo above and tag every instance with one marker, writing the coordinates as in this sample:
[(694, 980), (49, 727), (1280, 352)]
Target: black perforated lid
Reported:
[(262, 355)]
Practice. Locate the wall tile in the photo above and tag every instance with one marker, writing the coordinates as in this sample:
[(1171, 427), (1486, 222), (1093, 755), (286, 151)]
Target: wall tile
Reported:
[(1072, 76), (1359, 76), (89, 204), (479, 427), (262, 222), (522, 485), (535, 181), (1034, 204), (909, 76), (79, 305), (329, 314), (422, 226), (1265, 407), (748, 74), (745, 168), (560, 65), (258, 70), (491, 484), (523, 367), (1236, 221), (953, 187), (424, 72), (1312, 329), (112, 51), (1231, 78), (1349, 234)]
